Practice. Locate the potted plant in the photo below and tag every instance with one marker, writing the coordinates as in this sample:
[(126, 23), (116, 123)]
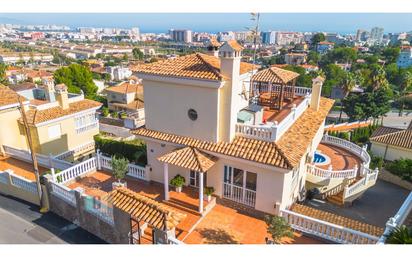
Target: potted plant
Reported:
[(120, 169), (278, 228), (208, 192), (178, 181)]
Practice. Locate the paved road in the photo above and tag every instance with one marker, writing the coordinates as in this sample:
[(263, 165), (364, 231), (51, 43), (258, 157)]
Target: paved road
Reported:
[(21, 223), (374, 207)]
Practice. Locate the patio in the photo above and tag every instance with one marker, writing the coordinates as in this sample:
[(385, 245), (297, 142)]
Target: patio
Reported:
[(21, 168), (340, 158), (100, 182)]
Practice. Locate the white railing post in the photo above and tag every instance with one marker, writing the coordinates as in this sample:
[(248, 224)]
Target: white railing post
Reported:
[(53, 174), (273, 132), (293, 110), (355, 170), (98, 163), (330, 170)]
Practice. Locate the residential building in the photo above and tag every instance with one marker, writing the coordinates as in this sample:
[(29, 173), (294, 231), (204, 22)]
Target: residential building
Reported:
[(295, 58), (61, 124), (324, 47), (226, 36), (118, 73), (202, 122), (405, 57), (362, 35), (376, 36), (181, 35), (126, 96), (392, 143), (268, 37), (12, 58), (287, 38)]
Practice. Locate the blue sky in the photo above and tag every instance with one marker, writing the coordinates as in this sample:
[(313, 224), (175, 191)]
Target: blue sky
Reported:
[(213, 22)]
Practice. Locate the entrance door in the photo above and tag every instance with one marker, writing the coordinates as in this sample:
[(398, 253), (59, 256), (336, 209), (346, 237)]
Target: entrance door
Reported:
[(194, 179)]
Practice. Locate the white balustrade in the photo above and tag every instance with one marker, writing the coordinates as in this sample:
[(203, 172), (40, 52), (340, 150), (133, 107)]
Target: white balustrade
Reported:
[(81, 148), (239, 194), (353, 148), (64, 193), (339, 174), (76, 171), (326, 230), (361, 185), (87, 127), (299, 91), (23, 183), (134, 170)]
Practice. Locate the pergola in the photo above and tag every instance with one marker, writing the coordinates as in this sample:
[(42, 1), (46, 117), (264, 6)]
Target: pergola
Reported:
[(272, 86), (189, 158)]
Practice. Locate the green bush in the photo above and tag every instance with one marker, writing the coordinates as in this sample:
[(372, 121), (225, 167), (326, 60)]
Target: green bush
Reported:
[(401, 168), (119, 167), (178, 181), (376, 161), (134, 150), (209, 190), (105, 111), (278, 227), (56, 171), (400, 235)]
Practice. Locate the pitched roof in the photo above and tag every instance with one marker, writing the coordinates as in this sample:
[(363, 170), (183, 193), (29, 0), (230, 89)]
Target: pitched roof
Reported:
[(23, 86), (401, 138), (275, 75), (145, 209), (296, 140), (126, 88), (35, 116), (235, 45), (213, 42), (190, 158), (382, 130), (198, 66), (240, 147), (8, 96)]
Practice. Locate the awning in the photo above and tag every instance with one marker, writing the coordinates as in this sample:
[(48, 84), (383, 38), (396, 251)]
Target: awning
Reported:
[(190, 158)]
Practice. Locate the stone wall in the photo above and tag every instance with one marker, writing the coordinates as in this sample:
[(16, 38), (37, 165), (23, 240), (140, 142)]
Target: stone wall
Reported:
[(391, 178), (117, 233)]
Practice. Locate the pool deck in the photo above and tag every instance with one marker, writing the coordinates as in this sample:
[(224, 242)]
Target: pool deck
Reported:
[(340, 159)]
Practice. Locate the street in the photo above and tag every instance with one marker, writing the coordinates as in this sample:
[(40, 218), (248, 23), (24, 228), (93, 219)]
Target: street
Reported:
[(22, 223)]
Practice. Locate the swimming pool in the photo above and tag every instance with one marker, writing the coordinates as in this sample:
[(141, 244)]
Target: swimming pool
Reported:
[(320, 159)]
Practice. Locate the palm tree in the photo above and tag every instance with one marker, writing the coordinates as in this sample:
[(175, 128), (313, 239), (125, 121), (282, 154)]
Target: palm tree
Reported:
[(348, 84), (378, 78), (404, 86), (400, 235)]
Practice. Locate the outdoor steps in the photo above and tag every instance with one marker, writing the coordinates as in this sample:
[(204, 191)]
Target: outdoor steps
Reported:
[(338, 198), (179, 206)]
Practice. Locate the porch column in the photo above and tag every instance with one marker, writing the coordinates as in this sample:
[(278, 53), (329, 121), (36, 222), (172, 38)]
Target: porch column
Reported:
[(201, 192), (166, 180)]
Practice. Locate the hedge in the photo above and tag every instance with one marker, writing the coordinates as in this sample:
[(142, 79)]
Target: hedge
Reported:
[(401, 168), (133, 150)]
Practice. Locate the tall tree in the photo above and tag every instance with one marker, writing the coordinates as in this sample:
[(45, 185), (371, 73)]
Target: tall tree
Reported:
[(404, 87), (316, 39), (3, 68), (137, 54), (77, 78), (378, 78), (348, 84)]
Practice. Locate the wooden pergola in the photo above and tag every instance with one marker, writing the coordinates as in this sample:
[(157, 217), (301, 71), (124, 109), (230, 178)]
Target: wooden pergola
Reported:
[(273, 86)]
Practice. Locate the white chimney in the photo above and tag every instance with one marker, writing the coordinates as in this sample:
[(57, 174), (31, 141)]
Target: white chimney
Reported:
[(62, 96), (230, 55), (316, 92)]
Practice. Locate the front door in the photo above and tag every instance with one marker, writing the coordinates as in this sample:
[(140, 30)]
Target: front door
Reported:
[(194, 179)]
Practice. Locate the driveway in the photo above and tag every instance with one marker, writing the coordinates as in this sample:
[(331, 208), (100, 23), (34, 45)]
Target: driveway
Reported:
[(375, 207)]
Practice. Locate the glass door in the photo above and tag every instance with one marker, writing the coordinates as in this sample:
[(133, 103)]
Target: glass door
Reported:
[(194, 179)]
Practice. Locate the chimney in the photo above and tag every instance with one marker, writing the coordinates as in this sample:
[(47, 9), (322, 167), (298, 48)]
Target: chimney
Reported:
[(316, 92), (230, 55), (48, 85), (62, 96), (213, 47)]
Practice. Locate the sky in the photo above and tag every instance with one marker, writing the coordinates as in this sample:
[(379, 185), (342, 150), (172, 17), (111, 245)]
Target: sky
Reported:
[(213, 22)]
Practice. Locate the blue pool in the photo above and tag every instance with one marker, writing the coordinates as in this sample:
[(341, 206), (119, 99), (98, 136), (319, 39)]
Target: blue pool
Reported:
[(319, 158)]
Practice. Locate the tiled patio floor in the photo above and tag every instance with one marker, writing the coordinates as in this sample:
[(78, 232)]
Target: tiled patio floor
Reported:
[(341, 159), (224, 225), (100, 183), (20, 168)]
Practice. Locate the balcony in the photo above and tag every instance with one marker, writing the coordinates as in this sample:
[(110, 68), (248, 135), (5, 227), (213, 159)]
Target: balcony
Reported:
[(90, 126)]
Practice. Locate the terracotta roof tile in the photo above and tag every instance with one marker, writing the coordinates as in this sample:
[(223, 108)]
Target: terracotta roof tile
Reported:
[(198, 66), (144, 208), (382, 130), (8, 96), (39, 116), (275, 75), (190, 158), (126, 87), (235, 45), (401, 138)]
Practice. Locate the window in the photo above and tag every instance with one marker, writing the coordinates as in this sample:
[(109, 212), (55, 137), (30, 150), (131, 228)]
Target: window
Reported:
[(192, 114), (54, 131), (85, 122), (240, 178), (251, 180)]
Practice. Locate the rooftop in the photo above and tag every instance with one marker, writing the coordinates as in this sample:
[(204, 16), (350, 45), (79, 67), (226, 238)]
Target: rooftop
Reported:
[(189, 158), (126, 88), (8, 96), (275, 75), (400, 138), (23, 86), (197, 66)]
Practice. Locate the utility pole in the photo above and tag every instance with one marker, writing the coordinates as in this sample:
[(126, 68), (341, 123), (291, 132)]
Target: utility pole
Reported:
[(33, 154)]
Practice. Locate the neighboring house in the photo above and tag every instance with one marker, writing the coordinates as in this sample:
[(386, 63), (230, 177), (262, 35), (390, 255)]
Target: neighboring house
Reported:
[(295, 58), (324, 47), (118, 73), (126, 96), (38, 75), (61, 124), (24, 57), (392, 143), (192, 106), (405, 57)]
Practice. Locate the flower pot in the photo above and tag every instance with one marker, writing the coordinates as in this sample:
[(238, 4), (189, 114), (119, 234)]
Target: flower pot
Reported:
[(178, 189), (208, 198), (118, 184)]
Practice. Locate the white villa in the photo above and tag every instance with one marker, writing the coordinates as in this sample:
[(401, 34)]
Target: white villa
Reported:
[(250, 135)]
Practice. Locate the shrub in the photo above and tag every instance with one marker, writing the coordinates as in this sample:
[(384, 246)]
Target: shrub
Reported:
[(400, 235), (278, 227), (56, 171), (178, 181), (401, 168), (105, 111), (209, 190), (119, 167), (376, 161), (133, 150)]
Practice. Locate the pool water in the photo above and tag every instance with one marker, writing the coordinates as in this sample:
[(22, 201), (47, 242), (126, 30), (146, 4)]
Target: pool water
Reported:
[(319, 158)]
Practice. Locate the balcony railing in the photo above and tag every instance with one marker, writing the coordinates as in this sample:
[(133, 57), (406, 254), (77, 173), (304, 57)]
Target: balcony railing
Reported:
[(239, 194), (87, 127), (273, 132)]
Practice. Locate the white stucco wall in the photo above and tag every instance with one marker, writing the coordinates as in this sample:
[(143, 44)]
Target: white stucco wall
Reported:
[(392, 153)]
